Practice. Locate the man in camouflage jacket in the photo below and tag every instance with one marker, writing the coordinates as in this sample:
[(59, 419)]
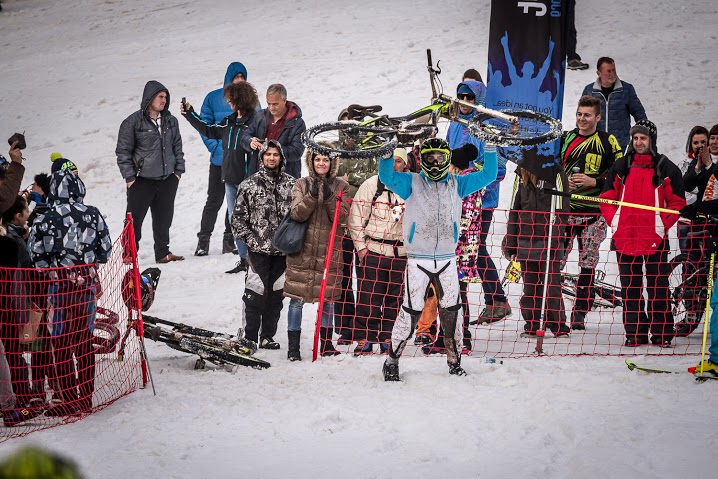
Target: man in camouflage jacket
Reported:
[(263, 200)]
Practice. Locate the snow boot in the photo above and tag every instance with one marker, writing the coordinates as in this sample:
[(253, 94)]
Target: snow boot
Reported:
[(293, 346), (391, 370), (327, 348), (202, 245), (364, 347), (228, 244)]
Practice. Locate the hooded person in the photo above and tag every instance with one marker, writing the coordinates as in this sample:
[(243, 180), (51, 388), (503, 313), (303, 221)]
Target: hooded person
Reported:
[(314, 201), (73, 237), (215, 108), (433, 200), (151, 161), (59, 162), (640, 236), (263, 199)]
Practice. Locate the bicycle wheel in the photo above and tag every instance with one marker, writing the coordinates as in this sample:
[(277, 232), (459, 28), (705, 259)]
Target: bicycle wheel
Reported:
[(687, 292), (352, 140), (532, 128)]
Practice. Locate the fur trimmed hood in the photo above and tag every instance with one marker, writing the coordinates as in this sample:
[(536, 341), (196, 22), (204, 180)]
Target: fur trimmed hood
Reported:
[(309, 161)]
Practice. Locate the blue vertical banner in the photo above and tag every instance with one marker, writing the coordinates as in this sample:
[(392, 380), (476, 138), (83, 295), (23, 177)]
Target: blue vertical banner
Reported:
[(527, 70)]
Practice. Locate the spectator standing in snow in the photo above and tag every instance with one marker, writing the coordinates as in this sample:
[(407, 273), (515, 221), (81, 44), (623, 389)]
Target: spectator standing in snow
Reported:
[(314, 200), (263, 200), (222, 179), (11, 173), (573, 59), (496, 303), (375, 226), (237, 163), (52, 244), (281, 121), (151, 161), (640, 237), (619, 101), (586, 154)]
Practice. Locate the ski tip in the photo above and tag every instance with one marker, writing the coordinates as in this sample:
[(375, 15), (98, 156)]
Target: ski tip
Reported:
[(630, 364)]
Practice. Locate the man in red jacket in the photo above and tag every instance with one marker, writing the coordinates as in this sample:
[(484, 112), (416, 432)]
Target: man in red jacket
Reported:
[(640, 237)]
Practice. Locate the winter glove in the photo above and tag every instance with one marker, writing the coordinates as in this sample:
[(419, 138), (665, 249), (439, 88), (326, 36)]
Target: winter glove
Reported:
[(463, 157), (689, 211), (314, 189), (326, 191)]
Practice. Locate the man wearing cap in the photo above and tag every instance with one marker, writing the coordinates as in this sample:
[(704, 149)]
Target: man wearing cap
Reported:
[(496, 303), (640, 236), (151, 161), (375, 226)]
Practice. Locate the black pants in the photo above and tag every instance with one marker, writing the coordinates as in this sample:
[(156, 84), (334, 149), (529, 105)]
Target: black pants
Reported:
[(533, 273), (379, 296), (571, 31), (158, 196), (262, 303), (344, 308), (215, 198), (584, 286), (659, 318)]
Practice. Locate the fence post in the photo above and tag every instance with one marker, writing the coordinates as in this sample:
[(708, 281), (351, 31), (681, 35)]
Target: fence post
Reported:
[(139, 325), (327, 264)]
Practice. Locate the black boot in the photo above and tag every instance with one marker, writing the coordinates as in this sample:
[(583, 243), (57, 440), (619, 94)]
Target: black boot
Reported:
[(390, 370), (202, 245), (228, 244), (293, 348), (327, 348)]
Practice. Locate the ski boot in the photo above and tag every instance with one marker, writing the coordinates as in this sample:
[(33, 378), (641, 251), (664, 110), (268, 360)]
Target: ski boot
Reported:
[(391, 370)]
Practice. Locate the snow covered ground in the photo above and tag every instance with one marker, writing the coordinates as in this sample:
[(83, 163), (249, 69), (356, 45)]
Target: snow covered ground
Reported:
[(72, 71)]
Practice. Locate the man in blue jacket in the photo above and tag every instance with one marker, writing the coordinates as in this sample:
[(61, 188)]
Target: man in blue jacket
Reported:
[(497, 306), (431, 232), (619, 101), (214, 109)]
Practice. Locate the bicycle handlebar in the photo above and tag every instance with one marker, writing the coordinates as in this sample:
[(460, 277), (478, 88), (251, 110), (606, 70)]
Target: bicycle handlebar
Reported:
[(478, 108)]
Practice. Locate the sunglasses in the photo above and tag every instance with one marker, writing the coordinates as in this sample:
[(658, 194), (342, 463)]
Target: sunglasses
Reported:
[(466, 96)]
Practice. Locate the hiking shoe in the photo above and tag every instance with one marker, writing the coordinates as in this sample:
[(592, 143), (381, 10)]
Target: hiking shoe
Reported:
[(494, 312), (328, 349), (384, 347), (202, 246), (562, 331), (576, 64), (169, 258), (12, 417), (239, 267), (344, 340), (632, 342), (660, 342), (456, 370), (390, 371), (268, 343), (364, 347), (294, 355)]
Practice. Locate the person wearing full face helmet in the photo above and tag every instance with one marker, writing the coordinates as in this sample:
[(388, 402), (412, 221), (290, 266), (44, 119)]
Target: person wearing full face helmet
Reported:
[(431, 231)]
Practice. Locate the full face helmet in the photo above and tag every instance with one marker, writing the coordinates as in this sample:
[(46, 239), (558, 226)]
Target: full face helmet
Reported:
[(435, 158)]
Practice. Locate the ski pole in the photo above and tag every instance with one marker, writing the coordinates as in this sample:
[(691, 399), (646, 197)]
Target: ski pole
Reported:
[(611, 202)]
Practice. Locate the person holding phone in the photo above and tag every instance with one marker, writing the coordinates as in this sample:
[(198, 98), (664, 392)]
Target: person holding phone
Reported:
[(11, 172)]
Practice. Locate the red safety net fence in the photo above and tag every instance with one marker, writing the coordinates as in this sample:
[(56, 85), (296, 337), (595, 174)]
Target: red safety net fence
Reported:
[(69, 344), (598, 302)]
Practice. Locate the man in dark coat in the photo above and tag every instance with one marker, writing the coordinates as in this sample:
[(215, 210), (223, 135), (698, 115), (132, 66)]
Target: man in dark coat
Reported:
[(281, 121), (150, 157)]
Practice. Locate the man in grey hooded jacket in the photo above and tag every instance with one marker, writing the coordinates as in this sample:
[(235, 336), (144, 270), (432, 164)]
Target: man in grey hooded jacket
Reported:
[(150, 158)]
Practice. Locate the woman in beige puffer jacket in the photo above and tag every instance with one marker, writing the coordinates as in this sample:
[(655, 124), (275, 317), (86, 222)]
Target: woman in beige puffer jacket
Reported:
[(314, 200)]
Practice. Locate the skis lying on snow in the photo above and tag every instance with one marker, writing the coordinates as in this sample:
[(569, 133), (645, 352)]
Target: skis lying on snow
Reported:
[(633, 366), (217, 348)]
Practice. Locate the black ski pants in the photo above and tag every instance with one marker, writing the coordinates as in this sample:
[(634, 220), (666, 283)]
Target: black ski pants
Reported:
[(379, 296), (344, 308), (215, 198), (659, 318), (533, 273), (157, 196), (263, 295)]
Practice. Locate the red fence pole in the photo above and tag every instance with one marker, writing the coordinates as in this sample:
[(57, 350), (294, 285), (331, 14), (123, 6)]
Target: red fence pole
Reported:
[(138, 323), (327, 264)]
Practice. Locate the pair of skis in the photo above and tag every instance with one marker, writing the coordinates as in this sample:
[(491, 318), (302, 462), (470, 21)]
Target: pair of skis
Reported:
[(693, 370)]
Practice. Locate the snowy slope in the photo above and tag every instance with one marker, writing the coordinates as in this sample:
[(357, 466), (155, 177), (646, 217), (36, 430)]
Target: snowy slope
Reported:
[(72, 71)]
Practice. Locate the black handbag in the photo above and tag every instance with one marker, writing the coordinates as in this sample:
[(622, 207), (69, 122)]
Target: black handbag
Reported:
[(289, 237)]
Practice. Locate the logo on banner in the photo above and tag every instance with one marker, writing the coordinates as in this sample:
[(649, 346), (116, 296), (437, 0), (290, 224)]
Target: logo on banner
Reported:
[(541, 7)]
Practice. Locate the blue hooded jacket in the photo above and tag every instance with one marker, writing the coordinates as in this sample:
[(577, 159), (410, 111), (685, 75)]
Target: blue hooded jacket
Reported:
[(215, 108), (458, 136)]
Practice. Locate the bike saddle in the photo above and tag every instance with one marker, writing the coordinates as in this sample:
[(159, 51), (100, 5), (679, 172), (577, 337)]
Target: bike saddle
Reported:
[(359, 112)]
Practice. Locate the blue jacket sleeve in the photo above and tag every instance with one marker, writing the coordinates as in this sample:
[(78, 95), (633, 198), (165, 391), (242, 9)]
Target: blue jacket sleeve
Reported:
[(473, 182), (398, 182), (207, 115), (635, 107)]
